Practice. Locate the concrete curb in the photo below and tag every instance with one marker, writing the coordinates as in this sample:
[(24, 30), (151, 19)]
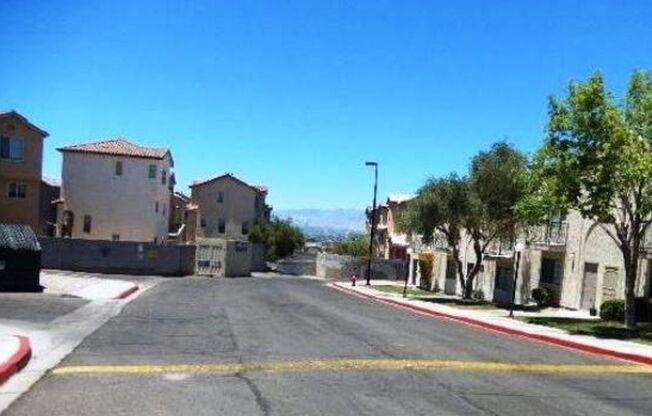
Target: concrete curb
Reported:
[(18, 359), (127, 292), (546, 339)]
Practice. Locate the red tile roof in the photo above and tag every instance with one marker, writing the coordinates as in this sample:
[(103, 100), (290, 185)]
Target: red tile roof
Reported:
[(257, 188), (117, 147), (24, 120)]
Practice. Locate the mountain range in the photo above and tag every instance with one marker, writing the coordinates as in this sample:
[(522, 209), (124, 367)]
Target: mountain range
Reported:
[(326, 223)]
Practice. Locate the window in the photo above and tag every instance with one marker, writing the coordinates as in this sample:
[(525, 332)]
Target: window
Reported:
[(164, 177), (87, 223), (220, 197), (245, 228), (118, 168), (115, 237), (552, 271), (17, 190), (156, 207), (203, 222), (12, 148), (152, 172), (221, 226), (164, 210)]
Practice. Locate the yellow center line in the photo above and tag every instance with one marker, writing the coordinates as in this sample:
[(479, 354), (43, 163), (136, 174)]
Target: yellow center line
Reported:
[(352, 365)]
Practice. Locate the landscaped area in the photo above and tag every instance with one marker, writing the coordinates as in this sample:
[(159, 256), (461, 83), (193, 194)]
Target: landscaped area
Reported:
[(428, 296), (597, 328)]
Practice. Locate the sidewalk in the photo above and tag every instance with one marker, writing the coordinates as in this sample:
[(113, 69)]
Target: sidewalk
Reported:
[(497, 321), (85, 285)]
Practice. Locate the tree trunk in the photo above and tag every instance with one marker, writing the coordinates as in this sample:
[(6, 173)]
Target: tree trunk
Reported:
[(458, 267), (630, 258), (470, 277)]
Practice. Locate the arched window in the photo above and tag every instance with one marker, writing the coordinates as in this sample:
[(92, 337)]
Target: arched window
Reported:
[(87, 223)]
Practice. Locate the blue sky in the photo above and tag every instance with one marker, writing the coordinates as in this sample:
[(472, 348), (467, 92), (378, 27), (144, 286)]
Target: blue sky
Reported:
[(298, 94)]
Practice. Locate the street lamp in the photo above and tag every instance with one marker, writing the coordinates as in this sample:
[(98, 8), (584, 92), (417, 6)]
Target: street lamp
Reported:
[(518, 248), (373, 220)]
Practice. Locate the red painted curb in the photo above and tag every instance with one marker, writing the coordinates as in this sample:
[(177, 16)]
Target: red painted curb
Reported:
[(546, 339), (17, 361), (125, 293)]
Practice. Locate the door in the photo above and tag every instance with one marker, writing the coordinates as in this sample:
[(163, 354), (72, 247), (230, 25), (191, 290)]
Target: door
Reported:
[(450, 285), (589, 286), (503, 284)]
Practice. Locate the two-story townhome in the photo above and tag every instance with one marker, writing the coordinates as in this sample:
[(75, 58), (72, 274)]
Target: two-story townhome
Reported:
[(21, 156), (115, 190), (390, 242), (228, 206)]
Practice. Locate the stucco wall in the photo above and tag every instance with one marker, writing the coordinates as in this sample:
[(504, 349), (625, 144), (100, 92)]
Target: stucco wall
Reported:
[(144, 258), (335, 266), (27, 171), (238, 206), (123, 205)]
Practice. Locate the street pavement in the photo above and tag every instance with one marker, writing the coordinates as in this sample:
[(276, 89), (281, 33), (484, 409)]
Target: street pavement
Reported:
[(291, 346)]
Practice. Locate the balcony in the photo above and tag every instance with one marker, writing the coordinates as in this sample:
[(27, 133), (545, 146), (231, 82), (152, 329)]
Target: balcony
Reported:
[(554, 233), (500, 248)]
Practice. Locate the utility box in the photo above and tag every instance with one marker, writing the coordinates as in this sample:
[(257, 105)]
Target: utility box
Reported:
[(20, 259)]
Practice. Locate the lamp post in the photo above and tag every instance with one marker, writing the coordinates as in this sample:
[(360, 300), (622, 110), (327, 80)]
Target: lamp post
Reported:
[(373, 221), (517, 259)]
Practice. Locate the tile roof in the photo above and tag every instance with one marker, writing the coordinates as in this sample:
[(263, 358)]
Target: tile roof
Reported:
[(117, 147), (18, 237), (257, 188), (24, 120)]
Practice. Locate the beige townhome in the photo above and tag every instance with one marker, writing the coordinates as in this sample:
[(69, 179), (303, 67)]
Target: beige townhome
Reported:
[(572, 257), (228, 207), (389, 241), (21, 157), (115, 190)]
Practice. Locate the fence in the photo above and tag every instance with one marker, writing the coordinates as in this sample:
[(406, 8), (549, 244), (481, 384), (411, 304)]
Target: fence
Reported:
[(335, 266), (117, 257)]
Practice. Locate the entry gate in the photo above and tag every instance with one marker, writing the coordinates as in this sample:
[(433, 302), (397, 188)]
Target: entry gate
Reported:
[(211, 257)]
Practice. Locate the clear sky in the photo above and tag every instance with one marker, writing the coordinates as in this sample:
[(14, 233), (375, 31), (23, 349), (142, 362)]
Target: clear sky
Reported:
[(298, 94)]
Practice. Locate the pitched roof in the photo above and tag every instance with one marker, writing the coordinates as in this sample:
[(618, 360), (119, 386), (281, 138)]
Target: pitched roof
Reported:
[(24, 120), (117, 147), (18, 237), (257, 188)]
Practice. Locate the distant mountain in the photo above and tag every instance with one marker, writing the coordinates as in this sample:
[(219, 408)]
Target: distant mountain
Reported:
[(322, 223)]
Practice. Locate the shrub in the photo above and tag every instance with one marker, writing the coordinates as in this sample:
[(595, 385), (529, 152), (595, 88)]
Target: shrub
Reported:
[(280, 237), (542, 297), (356, 246), (478, 294), (613, 310), (426, 261)]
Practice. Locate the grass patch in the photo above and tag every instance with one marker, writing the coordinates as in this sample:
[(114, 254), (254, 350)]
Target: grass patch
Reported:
[(597, 328), (398, 290)]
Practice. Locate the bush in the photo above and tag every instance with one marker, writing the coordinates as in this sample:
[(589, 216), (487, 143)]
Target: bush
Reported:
[(542, 297), (613, 310), (356, 246), (280, 237), (478, 294), (426, 261)]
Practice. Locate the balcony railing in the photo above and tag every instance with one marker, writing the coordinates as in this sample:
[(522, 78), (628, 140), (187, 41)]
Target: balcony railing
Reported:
[(554, 233), (500, 248)]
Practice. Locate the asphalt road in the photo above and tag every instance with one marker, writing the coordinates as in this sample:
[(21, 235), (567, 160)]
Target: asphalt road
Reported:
[(288, 346)]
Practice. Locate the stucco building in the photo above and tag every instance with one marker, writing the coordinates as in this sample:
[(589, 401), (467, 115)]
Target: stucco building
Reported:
[(21, 157), (572, 257), (228, 207), (389, 241), (115, 190)]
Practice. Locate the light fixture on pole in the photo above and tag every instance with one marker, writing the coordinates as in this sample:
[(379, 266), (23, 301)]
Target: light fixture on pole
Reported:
[(373, 220)]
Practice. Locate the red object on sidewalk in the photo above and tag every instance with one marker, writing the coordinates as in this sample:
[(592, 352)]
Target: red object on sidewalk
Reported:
[(353, 279), (545, 339), (17, 361)]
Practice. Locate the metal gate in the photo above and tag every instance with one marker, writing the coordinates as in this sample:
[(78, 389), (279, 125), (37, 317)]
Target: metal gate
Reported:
[(210, 257)]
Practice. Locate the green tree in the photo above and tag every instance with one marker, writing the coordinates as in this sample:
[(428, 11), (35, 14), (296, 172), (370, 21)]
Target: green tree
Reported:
[(440, 208), (280, 237), (497, 181), (357, 246), (597, 159)]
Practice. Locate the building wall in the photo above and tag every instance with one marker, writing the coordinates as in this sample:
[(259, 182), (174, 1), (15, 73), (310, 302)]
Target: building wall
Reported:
[(119, 257), (238, 206), (123, 205), (27, 171)]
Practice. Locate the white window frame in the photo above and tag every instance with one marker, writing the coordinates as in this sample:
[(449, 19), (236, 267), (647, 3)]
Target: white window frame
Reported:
[(13, 142), (17, 194)]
